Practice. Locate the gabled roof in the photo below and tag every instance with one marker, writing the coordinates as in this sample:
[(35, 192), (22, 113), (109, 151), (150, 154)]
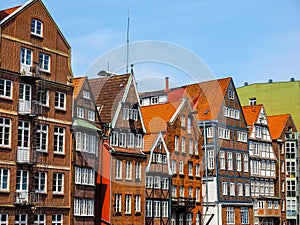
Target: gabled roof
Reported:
[(6, 12), (77, 83), (108, 92), (157, 116), (251, 113), (277, 124)]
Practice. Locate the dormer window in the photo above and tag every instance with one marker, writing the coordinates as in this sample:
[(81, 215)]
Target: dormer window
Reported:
[(37, 27)]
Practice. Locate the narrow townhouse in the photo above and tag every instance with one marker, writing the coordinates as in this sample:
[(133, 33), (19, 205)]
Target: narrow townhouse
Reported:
[(285, 143), (173, 127), (85, 154), (123, 192), (35, 117), (226, 180), (263, 163)]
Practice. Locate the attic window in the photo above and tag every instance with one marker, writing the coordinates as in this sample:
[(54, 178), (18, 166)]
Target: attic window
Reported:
[(37, 27), (86, 94), (252, 101), (231, 94)]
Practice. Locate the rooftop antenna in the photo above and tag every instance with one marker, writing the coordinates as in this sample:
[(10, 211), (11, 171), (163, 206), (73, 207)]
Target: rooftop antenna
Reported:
[(127, 57)]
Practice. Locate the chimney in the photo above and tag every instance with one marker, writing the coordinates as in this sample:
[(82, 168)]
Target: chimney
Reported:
[(167, 84)]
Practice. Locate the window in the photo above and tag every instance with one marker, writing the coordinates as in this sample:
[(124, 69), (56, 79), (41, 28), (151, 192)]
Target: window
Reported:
[(244, 215), (182, 120), (122, 140), (240, 190), (231, 94), (229, 161), (189, 219), (26, 57), (252, 101), (58, 182), (224, 188), (181, 167), (114, 138), (156, 208), (190, 192), (224, 133), (238, 162), (4, 179), (181, 191), (118, 171), (83, 207), (43, 97), (196, 148), (209, 132), (191, 147), (127, 204), (128, 170), (229, 215), (246, 163), (138, 172), (137, 203), (84, 176), (165, 209), (60, 100), (189, 125), (86, 142), (130, 143), (149, 181), (133, 114), (156, 182), (57, 219), (165, 183), (211, 161), (118, 202), (21, 219), (258, 131), (222, 160), (40, 182), (197, 194), (291, 188), (190, 169), (276, 205), (44, 62), (247, 190), (91, 115), (6, 88), (182, 144), (173, 167), (231, 113), (176, 141), (198, 219), (5, 128), (148, 208), (24, 99), (290, 150), (59, 140), (42, 138), (40, 219), (86, 94), (80, 112), (242, 136), (232, 189), (180, 219), (154, 100), (22, 180), (197, 168), (139, 141), (270, 204), (36, 27), (174, 191)]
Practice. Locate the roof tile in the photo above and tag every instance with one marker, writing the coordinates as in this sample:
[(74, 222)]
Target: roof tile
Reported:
[(277, 124), (6, 12)]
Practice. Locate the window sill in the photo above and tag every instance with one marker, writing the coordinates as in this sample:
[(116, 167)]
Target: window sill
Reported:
[(58, 194), (59, 154), (6, 98), (7, 148), (60, 109), (4, 191), (37, 36)]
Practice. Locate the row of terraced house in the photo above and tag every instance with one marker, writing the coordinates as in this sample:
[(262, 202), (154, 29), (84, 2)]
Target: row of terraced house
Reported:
[(95, 151)]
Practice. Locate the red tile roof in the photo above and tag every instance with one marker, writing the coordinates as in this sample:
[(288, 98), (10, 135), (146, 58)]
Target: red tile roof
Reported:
[(108, 92), (6, 12), (277, 124), (156, 116), (77, 83), (251, 113)]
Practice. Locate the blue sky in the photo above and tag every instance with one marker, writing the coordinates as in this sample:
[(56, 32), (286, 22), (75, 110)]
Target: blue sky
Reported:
[(248, 40)]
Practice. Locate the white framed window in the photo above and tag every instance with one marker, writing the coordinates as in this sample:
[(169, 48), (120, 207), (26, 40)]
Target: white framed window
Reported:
[(198, 219), (240, 189), (238, 161), (247, 190), (211, 159), (118, 202), (157, 182), (196, 148), (222, 160), (41, 182), (154, 100), (130, 143), (114, 138), (133, 114), (276, 205), (165, 183), (58, 183), (246, 162), (244, 215), (59, 140), (197, 169), (182, 120), (39, 219), (86, 142), (157, 208), (231, 94), (83, 207), (190, 169), (197, 194), (149, 181), (189, 219), (191, 147), (138, 171), (57, 219), (173, 166), (60, 100), (118, 171), (137, 203), (36, 27), (242, 136), (122, 140), (232, 189), (86, 94), (231, 113), (90, 204), (224, 133), (80, 112), (22, 181), (6, 88), (5, 132), (270, 204), (230, 215), (4, 179), (84, 176), (180, 219), (224, 188), (139, 141), (128, 170), (209, 132), (26, 57), (148, 208), (174, 191), (181, 191), (165, 209), (176, 143), (182, 144), (125, 113), (252, 101), (127, 204), (21, 219), (42, 138), (44, 62), (43, 97), (189, 125), (91, 115), (229, 161), (181, 167)]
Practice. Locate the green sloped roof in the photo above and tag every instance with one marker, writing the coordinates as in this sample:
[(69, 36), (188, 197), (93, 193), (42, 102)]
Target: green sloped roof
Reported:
[(85, 124)]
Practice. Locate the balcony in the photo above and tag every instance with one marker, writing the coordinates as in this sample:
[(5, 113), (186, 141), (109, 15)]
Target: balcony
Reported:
[(24, 157), (183, 202), (26, 198)]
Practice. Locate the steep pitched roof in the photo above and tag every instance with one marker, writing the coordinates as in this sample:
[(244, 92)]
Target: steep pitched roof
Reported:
[(77, 83), (156, 116), (251, 113), (108, 92), (277, 124), (6, 12)]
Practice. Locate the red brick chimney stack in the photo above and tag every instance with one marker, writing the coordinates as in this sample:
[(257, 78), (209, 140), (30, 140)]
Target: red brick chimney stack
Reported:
[(167, 84)]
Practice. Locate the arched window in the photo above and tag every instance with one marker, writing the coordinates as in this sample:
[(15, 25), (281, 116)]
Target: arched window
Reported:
[(189, 219)]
